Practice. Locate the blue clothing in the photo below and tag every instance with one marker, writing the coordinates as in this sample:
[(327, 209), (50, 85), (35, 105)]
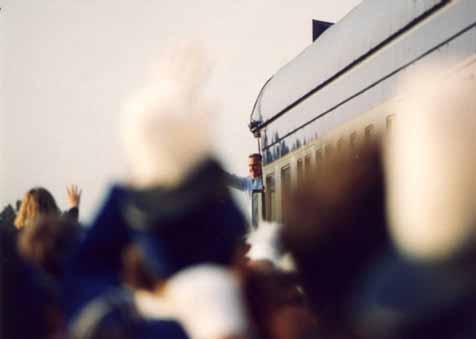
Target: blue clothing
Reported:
[(94, 275), (97, 265), (114, 315), (194, 223), (246, 184)]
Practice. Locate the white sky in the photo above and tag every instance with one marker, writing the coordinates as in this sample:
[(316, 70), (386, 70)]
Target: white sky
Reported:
[(66, 65)]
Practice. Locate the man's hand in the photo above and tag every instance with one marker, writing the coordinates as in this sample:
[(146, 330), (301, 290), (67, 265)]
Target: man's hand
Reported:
[(74, 196)]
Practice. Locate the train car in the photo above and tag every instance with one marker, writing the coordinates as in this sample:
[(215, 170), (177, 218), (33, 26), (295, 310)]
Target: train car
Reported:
[(342, 89)]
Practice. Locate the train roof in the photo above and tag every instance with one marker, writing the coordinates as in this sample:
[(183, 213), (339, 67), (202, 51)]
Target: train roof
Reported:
[(356, 63), (368, 27)]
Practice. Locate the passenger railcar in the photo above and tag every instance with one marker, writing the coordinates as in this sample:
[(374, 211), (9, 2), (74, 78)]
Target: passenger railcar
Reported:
[(342, 89)]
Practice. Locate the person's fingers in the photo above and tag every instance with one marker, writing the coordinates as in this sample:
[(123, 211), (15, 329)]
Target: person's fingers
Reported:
[(73, 191)]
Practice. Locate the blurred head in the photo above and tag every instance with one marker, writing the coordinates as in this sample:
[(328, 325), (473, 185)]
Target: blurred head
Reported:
[(135, 271), (264, 245), (276, 306), (36, 203), (49, 243), (29, 304), (170, 110), (201, 208), (177, 192), (431, 166), (254, 165), (335, 229)]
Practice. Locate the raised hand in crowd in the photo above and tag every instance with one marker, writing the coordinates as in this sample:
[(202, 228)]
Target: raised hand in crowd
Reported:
[(74, 196)]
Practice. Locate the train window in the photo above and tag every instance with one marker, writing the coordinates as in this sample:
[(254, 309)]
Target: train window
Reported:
[(389, 121), (328, 149), (307, 165), (285, 191), (300, 172), (318, 157), (270, 200), (353, 140), (369, 133), (318, 160), (340, 144)]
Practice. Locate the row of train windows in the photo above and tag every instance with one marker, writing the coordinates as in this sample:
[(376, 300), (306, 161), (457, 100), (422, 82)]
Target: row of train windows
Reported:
[(369, 135), (304, 167)]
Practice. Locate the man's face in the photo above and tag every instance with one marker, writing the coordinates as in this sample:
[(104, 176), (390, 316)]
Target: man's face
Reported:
[(254, 167)]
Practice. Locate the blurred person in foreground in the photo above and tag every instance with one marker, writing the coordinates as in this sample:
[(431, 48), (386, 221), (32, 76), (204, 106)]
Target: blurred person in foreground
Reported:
[(278, 308), (336, 229), (430, 166), (37, 254), (30, 307), (8, 215), (7, 223), (38, 202), (47, 247), (170, 233), (49, 244), (386, 245)]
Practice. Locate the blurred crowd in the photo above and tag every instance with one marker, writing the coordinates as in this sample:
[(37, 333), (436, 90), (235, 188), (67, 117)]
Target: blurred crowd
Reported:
[(169, 254)]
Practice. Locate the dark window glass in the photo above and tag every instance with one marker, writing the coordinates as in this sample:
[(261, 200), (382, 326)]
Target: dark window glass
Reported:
[(340, 144), (353, 141), (270, 198), (300, 172), (369, 133), (328, 149), (285, 190), (307, 165), (319, 161)]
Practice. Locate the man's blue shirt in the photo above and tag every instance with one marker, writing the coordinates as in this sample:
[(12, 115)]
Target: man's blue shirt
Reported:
[(246, 184)]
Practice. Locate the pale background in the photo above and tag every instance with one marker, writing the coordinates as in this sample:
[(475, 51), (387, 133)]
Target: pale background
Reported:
[(66, 65)]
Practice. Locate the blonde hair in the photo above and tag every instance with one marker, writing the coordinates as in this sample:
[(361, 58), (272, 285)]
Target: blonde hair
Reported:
[(37, 202)]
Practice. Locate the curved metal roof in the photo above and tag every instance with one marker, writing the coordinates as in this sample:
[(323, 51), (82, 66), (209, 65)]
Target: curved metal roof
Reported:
[(367, 28)]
